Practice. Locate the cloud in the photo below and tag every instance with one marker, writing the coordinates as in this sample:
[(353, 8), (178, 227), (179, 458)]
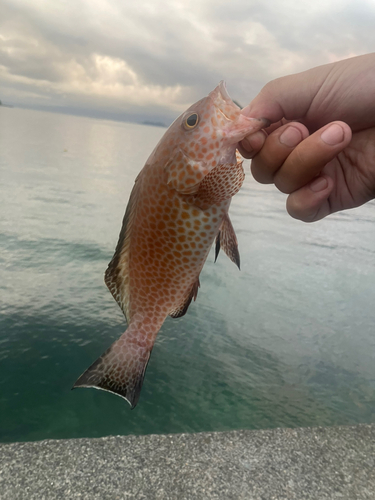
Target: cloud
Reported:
[(156, 57)]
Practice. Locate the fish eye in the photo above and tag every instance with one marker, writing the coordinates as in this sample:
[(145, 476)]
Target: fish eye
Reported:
[(191, 121)]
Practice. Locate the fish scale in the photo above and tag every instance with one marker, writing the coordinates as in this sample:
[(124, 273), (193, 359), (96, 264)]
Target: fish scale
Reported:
[(178, 206)]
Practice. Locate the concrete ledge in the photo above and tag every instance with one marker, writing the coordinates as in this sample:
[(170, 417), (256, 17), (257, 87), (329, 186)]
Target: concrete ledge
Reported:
[(312, 463)]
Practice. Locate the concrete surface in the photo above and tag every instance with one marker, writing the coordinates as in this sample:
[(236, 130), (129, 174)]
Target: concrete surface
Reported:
[(313, 463)]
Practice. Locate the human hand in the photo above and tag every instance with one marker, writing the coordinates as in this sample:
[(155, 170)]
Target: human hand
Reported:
[(325, 161)]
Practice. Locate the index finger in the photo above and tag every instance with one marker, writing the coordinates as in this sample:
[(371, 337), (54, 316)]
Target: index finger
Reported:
[(309, 158)]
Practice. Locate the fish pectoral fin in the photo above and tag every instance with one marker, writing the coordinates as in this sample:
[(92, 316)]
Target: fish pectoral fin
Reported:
[(220, 184), (227, 240), (181, 309), (120, 370)]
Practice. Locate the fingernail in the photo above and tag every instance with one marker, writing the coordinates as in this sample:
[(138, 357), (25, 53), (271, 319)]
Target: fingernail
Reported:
[(333, 135), (265, 121), (319, 184), (247, 111), (291, 137)]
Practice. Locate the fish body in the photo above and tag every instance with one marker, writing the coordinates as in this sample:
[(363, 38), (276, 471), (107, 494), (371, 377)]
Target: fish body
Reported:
[(178, 206)]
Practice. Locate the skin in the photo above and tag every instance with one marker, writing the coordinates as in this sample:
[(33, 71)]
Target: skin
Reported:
[(319, 148)]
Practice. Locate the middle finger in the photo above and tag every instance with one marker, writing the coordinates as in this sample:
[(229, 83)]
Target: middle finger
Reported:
[(276, 149)]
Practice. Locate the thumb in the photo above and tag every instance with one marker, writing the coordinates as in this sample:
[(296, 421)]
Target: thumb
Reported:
[(311, 202), (288, 97)]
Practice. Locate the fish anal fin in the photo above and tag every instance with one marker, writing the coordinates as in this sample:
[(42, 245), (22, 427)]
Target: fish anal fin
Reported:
[(181, 309), (120, 370), (227, 240)]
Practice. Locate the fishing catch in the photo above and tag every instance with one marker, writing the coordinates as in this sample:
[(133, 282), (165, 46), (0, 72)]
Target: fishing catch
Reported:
[(178, 207)]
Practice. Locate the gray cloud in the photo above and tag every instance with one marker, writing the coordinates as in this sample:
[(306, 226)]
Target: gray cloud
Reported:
[(154, 58)]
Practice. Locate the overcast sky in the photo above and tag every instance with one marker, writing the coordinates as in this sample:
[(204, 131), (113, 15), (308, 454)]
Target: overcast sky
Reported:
[(138, 59)]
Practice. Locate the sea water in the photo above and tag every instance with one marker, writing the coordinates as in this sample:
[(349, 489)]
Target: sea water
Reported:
[(287, 341)]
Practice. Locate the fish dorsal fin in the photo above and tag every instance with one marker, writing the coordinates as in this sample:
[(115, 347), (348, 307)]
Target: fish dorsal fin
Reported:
[(181, 309), (117, 274), (227, 240)]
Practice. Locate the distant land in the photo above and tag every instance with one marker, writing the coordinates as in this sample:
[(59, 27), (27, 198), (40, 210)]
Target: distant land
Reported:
[(142, 119), (154, 124), (6, 105)]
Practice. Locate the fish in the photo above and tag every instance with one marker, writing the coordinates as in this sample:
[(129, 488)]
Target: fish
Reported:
[(177, 209)]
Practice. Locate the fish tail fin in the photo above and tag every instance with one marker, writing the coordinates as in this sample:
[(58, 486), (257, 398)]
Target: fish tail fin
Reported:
[(120, 369)]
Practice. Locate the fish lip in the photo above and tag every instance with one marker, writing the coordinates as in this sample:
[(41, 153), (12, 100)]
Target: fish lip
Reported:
[(236, 130), (222, 87), (242, 127), (221, 90)]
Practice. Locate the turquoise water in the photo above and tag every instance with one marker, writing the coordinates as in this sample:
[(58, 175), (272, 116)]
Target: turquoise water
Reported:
[(287, 341)]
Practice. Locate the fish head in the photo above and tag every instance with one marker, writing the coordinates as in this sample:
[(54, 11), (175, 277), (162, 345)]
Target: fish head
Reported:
[(214, 126), (206, 136)]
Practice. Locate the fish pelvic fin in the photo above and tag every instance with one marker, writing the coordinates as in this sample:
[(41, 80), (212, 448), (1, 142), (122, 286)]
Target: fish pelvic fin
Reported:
[(120, 370), (227, 240)]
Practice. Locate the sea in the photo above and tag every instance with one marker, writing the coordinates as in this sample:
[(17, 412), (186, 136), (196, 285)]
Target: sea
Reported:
[(288, 341)]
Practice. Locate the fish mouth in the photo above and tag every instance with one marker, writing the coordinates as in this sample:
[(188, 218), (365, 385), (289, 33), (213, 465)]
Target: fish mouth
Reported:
[(238, 126), (223, 101), (222, 88)]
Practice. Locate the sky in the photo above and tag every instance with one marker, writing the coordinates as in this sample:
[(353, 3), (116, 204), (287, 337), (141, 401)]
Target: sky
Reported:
[(150, 59)]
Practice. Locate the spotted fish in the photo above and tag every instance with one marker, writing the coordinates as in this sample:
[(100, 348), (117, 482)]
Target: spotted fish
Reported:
[(177, 208)]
